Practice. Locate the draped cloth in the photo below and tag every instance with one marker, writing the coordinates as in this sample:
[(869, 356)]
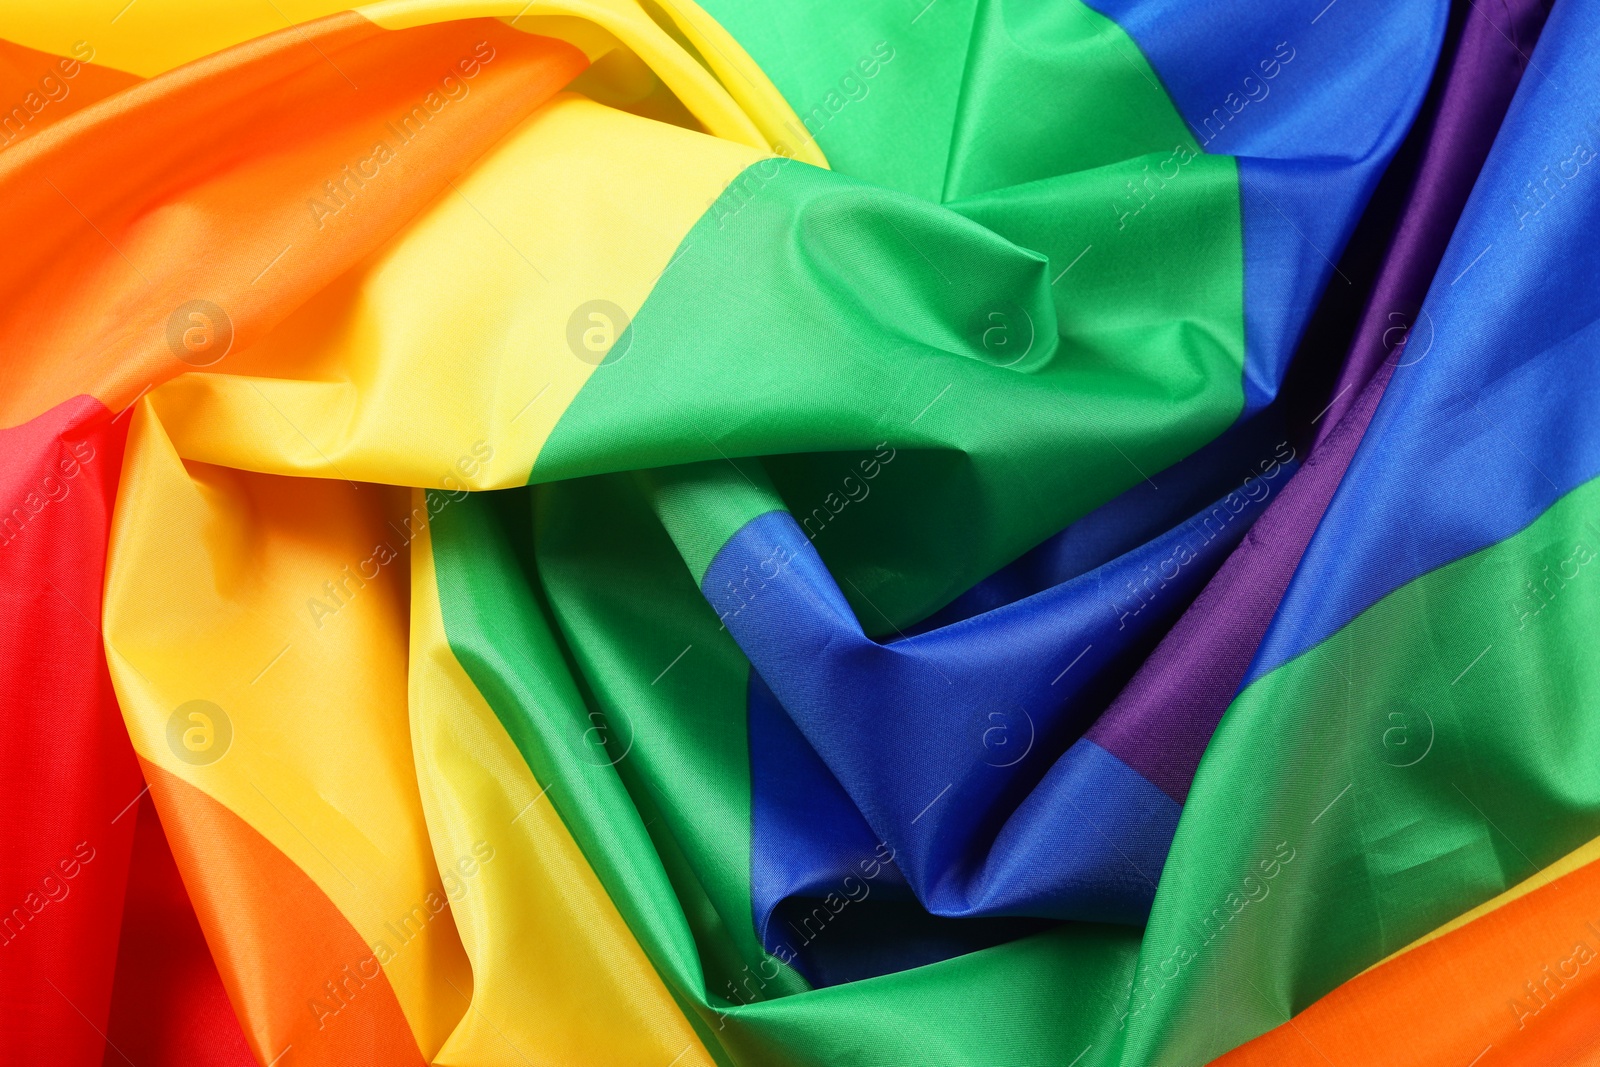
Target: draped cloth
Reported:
[(982, 532)]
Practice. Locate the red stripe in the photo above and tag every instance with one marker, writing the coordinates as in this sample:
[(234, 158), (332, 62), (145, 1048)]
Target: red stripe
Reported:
[(67, 770), (169, 1008)]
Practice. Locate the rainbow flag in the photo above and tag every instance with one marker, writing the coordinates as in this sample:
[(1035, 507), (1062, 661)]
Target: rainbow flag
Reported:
[(979, 533)]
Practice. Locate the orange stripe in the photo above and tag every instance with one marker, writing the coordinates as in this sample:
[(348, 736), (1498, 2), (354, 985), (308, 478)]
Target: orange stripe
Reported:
[(1519, 985), (279, 942), (216, 168), (38, 89)]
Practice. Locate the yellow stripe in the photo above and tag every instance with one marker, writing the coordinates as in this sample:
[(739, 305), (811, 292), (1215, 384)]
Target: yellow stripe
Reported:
[(722, 87), (745, 81), (559, 976), (211, 574), (452, 344), (149, 37), (445, 360)]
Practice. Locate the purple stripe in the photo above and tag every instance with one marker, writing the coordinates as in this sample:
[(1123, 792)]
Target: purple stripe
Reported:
[(1495, 43), (1161, 722)]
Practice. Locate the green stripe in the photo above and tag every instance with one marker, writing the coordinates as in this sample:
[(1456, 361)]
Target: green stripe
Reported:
[(575, 617), (703, 504), (1037, 1002), (586, 615), (808, 315), (931, 392), (1314, 755), (973, 96)]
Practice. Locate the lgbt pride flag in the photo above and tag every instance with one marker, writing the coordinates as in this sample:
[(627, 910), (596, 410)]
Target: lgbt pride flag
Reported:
[(972, 533)]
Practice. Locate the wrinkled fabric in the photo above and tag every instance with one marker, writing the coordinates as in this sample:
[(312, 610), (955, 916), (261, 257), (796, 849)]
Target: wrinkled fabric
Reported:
[(988, 532)]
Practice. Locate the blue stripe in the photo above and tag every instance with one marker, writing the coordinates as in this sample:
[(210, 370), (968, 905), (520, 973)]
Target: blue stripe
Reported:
[(1492, 416), (1313, 110), (955, 747)]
